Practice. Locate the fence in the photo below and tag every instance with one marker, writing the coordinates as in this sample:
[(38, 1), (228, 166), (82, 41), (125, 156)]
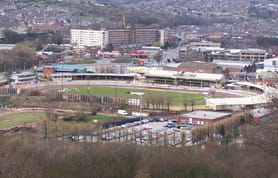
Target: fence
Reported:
[(8, 91), (58, 96)]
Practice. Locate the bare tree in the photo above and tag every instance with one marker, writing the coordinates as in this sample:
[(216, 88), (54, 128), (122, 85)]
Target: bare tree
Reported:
[(265, 134)]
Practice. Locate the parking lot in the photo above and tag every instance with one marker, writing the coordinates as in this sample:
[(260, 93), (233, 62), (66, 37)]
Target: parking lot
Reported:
[(153, 131)]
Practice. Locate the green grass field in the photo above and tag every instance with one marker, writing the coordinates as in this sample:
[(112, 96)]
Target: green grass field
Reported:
[(175, 97), (13, 120), (80, 61), (97, 117)]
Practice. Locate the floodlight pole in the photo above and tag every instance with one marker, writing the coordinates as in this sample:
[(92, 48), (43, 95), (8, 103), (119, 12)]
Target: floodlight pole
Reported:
[(62, 78), (36, 74), (140, 107)]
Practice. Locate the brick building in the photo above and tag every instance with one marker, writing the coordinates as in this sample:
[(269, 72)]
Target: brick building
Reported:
[(202, 117), (196, 66)]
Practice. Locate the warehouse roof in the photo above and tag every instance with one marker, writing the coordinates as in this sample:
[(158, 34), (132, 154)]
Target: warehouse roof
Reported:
[(65, 68), (198, 65)]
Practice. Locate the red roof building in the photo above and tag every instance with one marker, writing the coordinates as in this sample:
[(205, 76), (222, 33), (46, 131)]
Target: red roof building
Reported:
[(202, 117)]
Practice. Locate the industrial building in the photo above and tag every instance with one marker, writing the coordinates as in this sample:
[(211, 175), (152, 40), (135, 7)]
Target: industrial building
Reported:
[(217, 53), (51, 69), (22, 77)]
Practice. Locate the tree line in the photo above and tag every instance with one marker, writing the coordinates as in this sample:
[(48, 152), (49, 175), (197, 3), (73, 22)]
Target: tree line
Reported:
[(21, 57), (28, 156), (267, 42)]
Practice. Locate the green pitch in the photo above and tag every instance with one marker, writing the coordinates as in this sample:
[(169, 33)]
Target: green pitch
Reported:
[(175, 98)]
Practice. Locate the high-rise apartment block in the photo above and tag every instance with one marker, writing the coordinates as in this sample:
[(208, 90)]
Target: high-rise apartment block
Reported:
[(88, 37), (117, 37)]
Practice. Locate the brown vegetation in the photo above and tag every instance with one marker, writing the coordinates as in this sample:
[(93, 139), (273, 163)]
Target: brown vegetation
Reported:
[(226, 129), (31, 157)]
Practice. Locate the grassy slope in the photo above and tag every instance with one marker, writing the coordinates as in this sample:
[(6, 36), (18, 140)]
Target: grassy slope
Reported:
[(19, 119)]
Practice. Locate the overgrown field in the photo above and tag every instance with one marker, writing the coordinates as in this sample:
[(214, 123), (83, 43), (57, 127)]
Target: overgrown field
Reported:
[(17, 119)]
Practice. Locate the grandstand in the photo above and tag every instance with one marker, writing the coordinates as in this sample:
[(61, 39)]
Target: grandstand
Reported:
[(151, 76), (241, 103)]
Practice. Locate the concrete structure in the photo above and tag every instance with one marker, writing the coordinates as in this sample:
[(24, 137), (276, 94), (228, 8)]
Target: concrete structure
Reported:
[(116, 37), (89, 37), (237, 54), (182, 52), (204, 44), (270, 65), (213, 52), (7, 46), (202, 117), (241, 103), (253, 54), (181, 78), (132, 35), (193, 36), (22, 77)]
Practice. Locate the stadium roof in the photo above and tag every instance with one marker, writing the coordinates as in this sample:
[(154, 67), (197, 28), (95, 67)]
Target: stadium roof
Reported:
[(65, 68), (184, 75)]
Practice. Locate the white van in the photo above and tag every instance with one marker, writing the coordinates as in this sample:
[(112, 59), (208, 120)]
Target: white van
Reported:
[(122, 112)]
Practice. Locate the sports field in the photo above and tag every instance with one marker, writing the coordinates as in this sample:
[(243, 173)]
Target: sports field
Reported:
[(13, 120), (175, 97)]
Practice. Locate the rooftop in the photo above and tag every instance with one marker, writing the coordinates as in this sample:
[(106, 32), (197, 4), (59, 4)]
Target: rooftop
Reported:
[(206, 114), (183, 75), (205, 43), (198, 65), (65, 68)]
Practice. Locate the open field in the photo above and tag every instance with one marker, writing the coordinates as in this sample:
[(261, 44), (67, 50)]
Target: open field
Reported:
[(175, 97), (82, 61), (12, 120), (97, 117)]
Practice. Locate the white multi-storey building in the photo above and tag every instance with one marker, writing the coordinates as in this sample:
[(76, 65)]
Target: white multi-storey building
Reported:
[(89, 37), (116, 37)]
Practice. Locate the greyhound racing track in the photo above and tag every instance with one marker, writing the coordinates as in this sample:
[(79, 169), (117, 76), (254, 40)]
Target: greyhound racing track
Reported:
[(183, 89)]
